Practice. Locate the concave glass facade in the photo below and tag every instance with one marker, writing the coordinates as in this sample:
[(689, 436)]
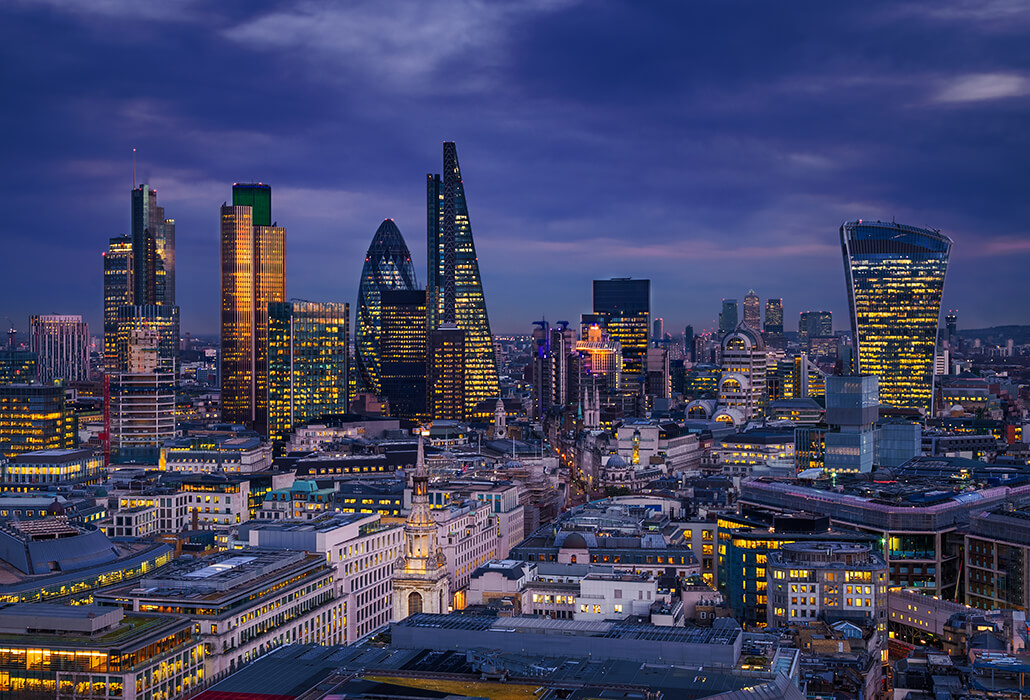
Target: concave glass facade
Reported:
[(895, 277)]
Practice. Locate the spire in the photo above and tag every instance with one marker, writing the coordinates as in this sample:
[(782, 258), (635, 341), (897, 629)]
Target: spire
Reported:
[(420, 458)]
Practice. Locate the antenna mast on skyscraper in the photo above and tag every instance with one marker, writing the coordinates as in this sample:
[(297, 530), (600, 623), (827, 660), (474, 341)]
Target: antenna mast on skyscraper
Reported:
[(133, 167)]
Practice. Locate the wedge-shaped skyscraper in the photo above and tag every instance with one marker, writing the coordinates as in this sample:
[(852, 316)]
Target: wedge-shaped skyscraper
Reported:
[(387, 267), (895, 278), (454, 289)]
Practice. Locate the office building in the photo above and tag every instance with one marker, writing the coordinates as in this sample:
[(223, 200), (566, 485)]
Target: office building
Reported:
[(162, 321), (602, 358), (35, 417), (402, 352), (552, 346), (18, 367), (142, 415), (362, 551), (745, 542), (688, 343), (742, 385), (153, 250), (658, 377), (728, 316), (454, 289), (918, 525), (753, 310), (242, 604), (61, 345), (139, 282), (951, 330), (90, 651), (658, 330), (387, 267), (307, 363), (118, 292), (253, 264), (623, 306), (826, 580), (852, 409), (774, 316), (47, 469), (814, 324), (895, 278), (447, 373), (997, 548)]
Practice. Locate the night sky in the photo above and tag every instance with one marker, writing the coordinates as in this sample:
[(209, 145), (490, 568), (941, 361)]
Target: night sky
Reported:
[(709, 146)]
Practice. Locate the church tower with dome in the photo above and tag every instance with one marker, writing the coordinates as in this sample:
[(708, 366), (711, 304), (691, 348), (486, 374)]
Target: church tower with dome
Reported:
[(420, 580)]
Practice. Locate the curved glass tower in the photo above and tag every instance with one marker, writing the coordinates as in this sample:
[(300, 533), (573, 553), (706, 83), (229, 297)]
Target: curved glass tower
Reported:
[(387, 266), (895, 277)]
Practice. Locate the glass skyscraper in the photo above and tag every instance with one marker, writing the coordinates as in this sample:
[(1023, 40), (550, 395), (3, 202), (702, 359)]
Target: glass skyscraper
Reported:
[(253, 263), (402, 347), (625, 306), (753, 310), (307, 363), (774, 316), (895, 278), (454, 290), (387, 267)]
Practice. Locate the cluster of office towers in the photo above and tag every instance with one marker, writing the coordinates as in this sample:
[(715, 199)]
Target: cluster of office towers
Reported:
[(427, 352)]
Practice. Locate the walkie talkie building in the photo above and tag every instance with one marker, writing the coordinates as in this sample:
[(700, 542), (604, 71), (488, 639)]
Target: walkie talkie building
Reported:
[(895, 279)]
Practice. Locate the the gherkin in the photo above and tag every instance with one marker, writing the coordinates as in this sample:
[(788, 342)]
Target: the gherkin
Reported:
[(387, 266)]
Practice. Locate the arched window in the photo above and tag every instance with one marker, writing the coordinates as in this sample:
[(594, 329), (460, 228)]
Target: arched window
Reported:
[(414, 603)]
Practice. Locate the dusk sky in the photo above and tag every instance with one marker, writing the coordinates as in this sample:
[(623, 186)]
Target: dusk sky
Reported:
[(712, 147)]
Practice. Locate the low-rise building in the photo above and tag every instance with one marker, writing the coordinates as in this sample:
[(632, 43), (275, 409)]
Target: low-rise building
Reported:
[(140, 521), (362, 550), (86, 651), (216, 454), (826, 580), (243, 603), (303, 500), (45, 469)]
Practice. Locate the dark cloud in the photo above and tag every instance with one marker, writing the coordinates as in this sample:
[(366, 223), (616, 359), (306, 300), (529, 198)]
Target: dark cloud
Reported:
[(713, 147)]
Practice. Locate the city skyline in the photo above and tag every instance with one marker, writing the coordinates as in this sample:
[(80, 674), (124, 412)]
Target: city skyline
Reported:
[(730, 169)]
